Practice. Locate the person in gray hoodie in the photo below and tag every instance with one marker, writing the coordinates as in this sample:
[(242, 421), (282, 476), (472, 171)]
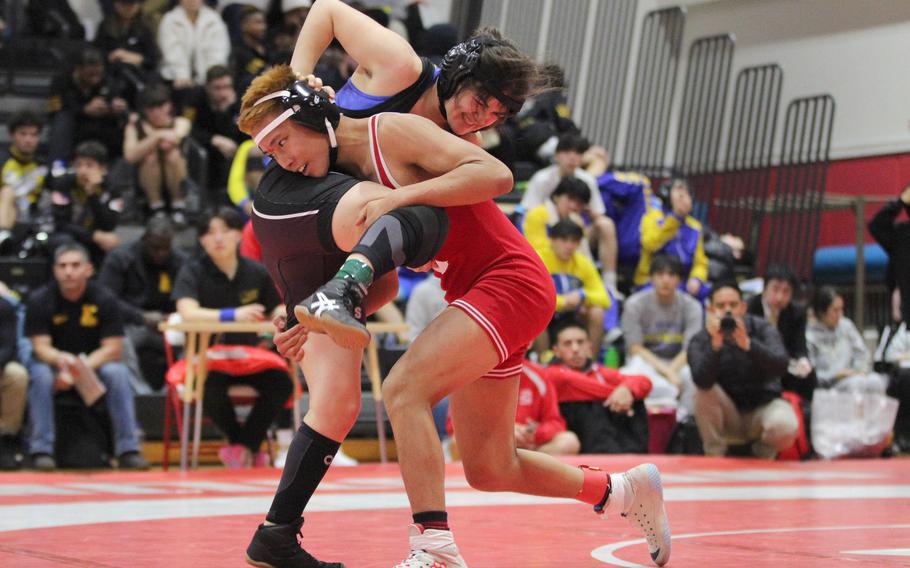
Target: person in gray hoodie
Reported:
[(837, 350)]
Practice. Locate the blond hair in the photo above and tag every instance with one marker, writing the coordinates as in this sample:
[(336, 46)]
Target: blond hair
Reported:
[(271, 80)]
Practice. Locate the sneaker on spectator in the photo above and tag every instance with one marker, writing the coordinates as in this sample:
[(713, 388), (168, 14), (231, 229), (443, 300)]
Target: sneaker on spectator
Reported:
[(431, 548), (279, 546), (132, 460), (235, 456), (262, 459), (341, 459), (43, 462), (642, 504), (8, 459)]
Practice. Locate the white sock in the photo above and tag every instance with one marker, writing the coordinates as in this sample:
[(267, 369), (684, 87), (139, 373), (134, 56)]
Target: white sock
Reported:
[(620, 495)]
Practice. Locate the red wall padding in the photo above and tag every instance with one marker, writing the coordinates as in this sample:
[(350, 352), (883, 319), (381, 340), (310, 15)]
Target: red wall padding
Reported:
[(876, 175)]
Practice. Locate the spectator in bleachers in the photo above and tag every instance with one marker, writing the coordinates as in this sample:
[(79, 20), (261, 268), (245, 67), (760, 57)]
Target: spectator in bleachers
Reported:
[(673, 230), (538, 424), (221, 285), (627, 197), (247, 169), (250, 57), (566, 202), (658, 324), (895, 239), (141, 275), (837, 350), (569, 153), (602, 406), (75, 323), (193, 38), (85, 207), (23, 175), (13, 387), (737, 361), (152, 142), (213, 112), (777, 306), (295, 13), (580, 293), (53, 18), (130, 48), (84, 106)]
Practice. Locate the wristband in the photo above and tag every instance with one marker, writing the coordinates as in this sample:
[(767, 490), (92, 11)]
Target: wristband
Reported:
[(227, 314)]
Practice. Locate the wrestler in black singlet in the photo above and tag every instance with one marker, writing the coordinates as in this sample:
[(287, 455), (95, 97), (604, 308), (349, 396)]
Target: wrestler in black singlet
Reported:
[(292, 219)]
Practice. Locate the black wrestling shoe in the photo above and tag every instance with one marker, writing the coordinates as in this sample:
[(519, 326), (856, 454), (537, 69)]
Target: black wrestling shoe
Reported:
[(278, 546), (335, 309)]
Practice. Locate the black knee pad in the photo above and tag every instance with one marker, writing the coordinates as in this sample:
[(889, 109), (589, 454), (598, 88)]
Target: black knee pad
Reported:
[(429, 226), (409, 236)]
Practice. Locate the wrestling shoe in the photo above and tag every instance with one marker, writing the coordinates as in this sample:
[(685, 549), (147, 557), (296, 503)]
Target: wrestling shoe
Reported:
[(432, 548), (335, 309), (278, 546), (641, 499)]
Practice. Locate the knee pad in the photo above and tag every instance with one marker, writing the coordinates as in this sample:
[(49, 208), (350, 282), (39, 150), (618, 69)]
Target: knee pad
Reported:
[(409, 236), (429, 227)]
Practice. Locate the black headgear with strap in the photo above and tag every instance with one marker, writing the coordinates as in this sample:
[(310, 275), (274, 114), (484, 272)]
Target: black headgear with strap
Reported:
[(460, 63), (306, 106)]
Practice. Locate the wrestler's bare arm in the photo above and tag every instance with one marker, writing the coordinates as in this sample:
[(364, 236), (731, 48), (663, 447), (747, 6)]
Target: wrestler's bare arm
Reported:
[(387, 62), (438, 168)]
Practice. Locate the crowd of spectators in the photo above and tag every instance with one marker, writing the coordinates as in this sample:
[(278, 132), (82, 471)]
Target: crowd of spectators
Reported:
[(647, 316)]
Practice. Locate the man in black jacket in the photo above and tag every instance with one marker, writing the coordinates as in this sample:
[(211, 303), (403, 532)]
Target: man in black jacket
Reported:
[(776, 306), (85, 207), (142, 276), (895, 239), (736, 363)]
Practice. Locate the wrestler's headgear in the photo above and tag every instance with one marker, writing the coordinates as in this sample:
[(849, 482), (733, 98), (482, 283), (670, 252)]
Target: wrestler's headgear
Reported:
[(307, 106), (460, 63)]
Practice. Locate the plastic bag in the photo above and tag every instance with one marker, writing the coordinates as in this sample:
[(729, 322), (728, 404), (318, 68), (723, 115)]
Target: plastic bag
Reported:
[(851, 424)]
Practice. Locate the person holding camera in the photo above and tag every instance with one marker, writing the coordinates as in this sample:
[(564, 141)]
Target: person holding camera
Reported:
[(737, 361)]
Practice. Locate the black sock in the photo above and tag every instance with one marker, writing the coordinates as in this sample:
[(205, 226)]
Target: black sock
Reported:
[(436, 520), (309, 457)]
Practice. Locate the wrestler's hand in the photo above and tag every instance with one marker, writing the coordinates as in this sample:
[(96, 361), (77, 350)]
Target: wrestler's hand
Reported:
[(316, 83), (375, 209), (289, 342)]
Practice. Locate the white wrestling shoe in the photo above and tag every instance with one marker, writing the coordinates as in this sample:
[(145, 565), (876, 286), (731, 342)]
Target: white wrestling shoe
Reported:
[(432, 548), (641, 488)]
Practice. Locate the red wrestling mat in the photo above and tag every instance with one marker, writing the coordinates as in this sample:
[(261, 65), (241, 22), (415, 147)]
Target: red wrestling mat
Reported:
[(723, 512)]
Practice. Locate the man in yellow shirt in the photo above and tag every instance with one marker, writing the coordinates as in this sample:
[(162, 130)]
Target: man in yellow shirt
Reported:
[(580, 292)]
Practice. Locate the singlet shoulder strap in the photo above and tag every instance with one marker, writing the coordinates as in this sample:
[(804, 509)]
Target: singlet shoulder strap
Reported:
[(379, 164), (404, 100)]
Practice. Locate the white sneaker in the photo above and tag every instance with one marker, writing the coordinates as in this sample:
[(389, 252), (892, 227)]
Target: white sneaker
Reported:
[(643, 493), (343, 460), (432, 548)]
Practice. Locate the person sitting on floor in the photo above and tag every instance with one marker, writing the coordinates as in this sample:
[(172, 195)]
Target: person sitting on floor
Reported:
[(602, 406)]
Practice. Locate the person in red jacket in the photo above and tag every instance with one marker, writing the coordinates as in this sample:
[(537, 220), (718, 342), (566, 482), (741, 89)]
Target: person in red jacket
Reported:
[(538, 424), (602, 406)]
